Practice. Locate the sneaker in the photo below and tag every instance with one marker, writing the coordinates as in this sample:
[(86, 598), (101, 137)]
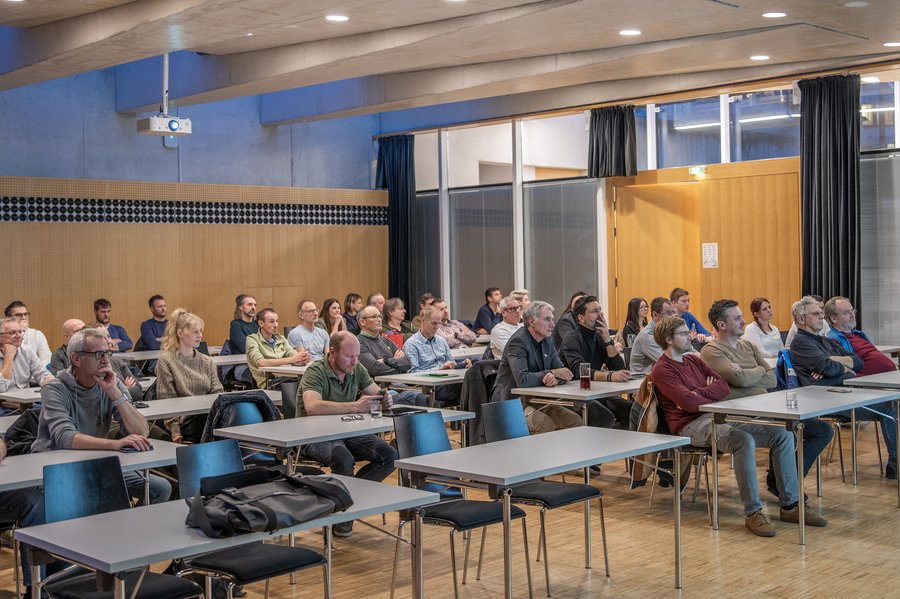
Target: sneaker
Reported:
[(758, 524), (343, 530), (810, 517)]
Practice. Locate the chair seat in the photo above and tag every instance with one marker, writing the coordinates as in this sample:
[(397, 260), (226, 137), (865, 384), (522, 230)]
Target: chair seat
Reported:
[(553, 494), (154, 586), (465, 514), (257, 561)]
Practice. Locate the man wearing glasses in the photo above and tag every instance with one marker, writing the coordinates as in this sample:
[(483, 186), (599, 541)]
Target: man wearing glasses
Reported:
[(34, 340), (307, 336), (380, 356), (511, 311), (19, 365)]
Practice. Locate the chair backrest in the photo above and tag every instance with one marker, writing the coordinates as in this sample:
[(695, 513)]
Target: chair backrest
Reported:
[(245, 412), (227, 348), (205, 459), (203, 348), (84, 488), (421, 433), (503, 420), (627, 352), (289, 398), (783, 368)]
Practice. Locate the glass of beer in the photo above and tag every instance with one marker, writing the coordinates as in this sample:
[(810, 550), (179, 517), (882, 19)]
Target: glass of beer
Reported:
[(584, 374)]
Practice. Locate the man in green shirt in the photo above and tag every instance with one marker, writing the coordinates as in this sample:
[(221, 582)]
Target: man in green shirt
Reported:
[(269, 348), (339, 384)]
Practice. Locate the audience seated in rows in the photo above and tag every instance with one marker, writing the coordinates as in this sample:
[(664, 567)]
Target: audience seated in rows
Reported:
[(511, 309), (454, 332), (376, 299), (761, 332), (19, 365), (522, 296), (427, 350), (635, 320), (352, 305), (306, 336), (380, 356), (331, 320), (394, 319), (153, 329), (681, 300), (34, 340), (566, 323), (243, 324), (182, 371), (118, 337), (530, 360), (645, 351), (60, 359), (489, 313), (269, 348), (683, 383), (792, 332), (426, 299)]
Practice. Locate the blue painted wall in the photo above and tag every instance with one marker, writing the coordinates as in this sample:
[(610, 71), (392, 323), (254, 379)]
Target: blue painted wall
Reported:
[(69, 128)]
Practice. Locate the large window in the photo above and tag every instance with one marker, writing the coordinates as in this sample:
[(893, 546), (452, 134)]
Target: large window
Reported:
[(877, 118), (640, 133), (764, 124), (688, 133), (555, 147), (480, 155)]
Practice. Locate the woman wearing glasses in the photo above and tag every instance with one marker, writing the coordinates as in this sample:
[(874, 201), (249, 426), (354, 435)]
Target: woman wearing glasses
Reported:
[(182, 371)]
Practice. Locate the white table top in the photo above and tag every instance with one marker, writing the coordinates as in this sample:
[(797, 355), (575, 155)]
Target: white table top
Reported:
[(106, 542), (28, 395), (188, 406), (889, 348), (883, 380), (483, 339), (214, 350), (6, 422), (146, 381), (573, 391), (138, 356), (229, 359), (811, 402), (460, 353), (527, 458), (292, 432), (431, 378), (22, 471), (286, 370)]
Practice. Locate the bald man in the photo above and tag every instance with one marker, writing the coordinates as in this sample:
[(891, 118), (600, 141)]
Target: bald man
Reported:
[(60, 358)]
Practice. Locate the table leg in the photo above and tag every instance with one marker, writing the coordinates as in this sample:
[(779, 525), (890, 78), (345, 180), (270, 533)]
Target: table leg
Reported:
[(418, 568), (507, 557), (328, 539), (587, 535), (853, 441), (677, 490), (120, 589), (146, 487), (715, 461), (35, 579), (801, 500), (292, 577), (896, 450), (432, 396), (584, 413)]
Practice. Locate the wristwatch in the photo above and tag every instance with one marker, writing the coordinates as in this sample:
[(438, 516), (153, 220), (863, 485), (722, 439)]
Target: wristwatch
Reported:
[(121, 400), (608, 343)]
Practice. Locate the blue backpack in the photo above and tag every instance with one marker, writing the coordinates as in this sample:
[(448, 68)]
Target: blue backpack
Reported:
[(784, 371)]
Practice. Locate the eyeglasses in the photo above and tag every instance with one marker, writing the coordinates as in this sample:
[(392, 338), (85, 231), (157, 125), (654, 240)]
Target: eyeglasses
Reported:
[(20, 315), (310, 311), (351, 417), (14, 333), (97, 355), (375, 317), (514, 309)]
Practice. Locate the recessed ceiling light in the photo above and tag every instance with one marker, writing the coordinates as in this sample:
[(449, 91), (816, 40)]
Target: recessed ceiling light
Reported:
[(630, 32), (870, 79), (759, 57), (856, 4), (337, 18), (891, 44), (774, 15)]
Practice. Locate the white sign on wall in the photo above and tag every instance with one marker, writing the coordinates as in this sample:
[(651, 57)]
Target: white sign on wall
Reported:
[(710, 255)]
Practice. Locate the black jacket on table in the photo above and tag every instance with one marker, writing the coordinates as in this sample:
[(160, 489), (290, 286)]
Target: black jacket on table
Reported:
[(812, 353), (373, 348), (525, 362), (585, 345)]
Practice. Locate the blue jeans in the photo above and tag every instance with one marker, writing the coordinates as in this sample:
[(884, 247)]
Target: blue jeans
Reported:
[(817, 434), (160, 488), (878, 412), (410, 398), (741, 441), (341, 456)]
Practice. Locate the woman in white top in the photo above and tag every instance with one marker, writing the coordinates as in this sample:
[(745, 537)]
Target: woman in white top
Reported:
[(761, 333)]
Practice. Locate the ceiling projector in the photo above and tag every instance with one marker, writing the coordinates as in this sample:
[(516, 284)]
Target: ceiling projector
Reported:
[(164, 125)]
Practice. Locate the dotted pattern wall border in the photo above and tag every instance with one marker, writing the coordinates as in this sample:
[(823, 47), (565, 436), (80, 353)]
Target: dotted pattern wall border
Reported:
[(80, 210)]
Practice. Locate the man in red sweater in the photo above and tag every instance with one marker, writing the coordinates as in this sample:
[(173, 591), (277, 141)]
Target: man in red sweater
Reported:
[(683, 383)]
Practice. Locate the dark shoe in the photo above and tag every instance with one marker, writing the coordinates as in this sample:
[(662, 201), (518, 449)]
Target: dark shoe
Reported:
[(890, 472), (343, 530), (771, 484), (238, 591), (758, 524), (810, 517)]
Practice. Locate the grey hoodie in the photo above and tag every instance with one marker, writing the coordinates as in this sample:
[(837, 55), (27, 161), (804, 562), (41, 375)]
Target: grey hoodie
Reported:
[(68, 408)]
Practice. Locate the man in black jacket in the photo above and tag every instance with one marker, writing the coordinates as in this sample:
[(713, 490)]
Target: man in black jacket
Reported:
[(380, 356), (818, 360), (591, 343)]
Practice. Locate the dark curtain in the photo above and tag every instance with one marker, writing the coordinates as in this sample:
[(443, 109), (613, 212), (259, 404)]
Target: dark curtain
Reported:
[(396, 172), (612, 149), (829, 186)]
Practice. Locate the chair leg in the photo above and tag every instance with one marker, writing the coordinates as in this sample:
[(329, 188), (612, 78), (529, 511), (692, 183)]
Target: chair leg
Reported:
[(708, 498), (540, 538), (17, 565), (878, 447), (837, 434), (207, 585), (528, 558), (266, 595), (453, 564), (653, 484), (468, 538), (481, 553), (543, 543), (396, 557), (696, 478), (229, 590), (603, 536)]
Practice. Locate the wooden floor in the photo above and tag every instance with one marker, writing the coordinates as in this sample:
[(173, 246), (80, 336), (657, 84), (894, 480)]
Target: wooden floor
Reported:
[(857, 555)]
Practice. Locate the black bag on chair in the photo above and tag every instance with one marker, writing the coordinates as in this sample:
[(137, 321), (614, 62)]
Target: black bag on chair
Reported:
[(249, 501)]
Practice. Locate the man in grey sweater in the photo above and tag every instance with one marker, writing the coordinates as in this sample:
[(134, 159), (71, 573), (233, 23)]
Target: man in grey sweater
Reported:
[(380, 356)]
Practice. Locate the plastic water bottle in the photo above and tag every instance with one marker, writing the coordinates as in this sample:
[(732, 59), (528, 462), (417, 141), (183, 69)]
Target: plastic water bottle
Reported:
[(693, 331)]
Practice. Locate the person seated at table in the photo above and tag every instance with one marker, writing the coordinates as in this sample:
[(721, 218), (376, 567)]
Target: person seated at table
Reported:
[(591, 343), (427, 351), (761, 332), (743, 367), (635, 320), (269, 348), (683, 383), (243, 324), (681, 299), (79, 407), (60, 359), (489, 313), (511, 309), (645, 351), (792, 332), (380, 356), (331, 320), (19, 365), (566, 323), (118, 337), (34, 340), (352, 305), (182, 371), (393, 319), (530, 360), (153, 328), (376, 299), (522, 296), (426, 299), (339, 384), (454, 332), (306, 336), (817, 359)]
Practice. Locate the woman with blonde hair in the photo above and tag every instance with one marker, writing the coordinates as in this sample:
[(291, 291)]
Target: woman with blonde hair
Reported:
[(182, 371)]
